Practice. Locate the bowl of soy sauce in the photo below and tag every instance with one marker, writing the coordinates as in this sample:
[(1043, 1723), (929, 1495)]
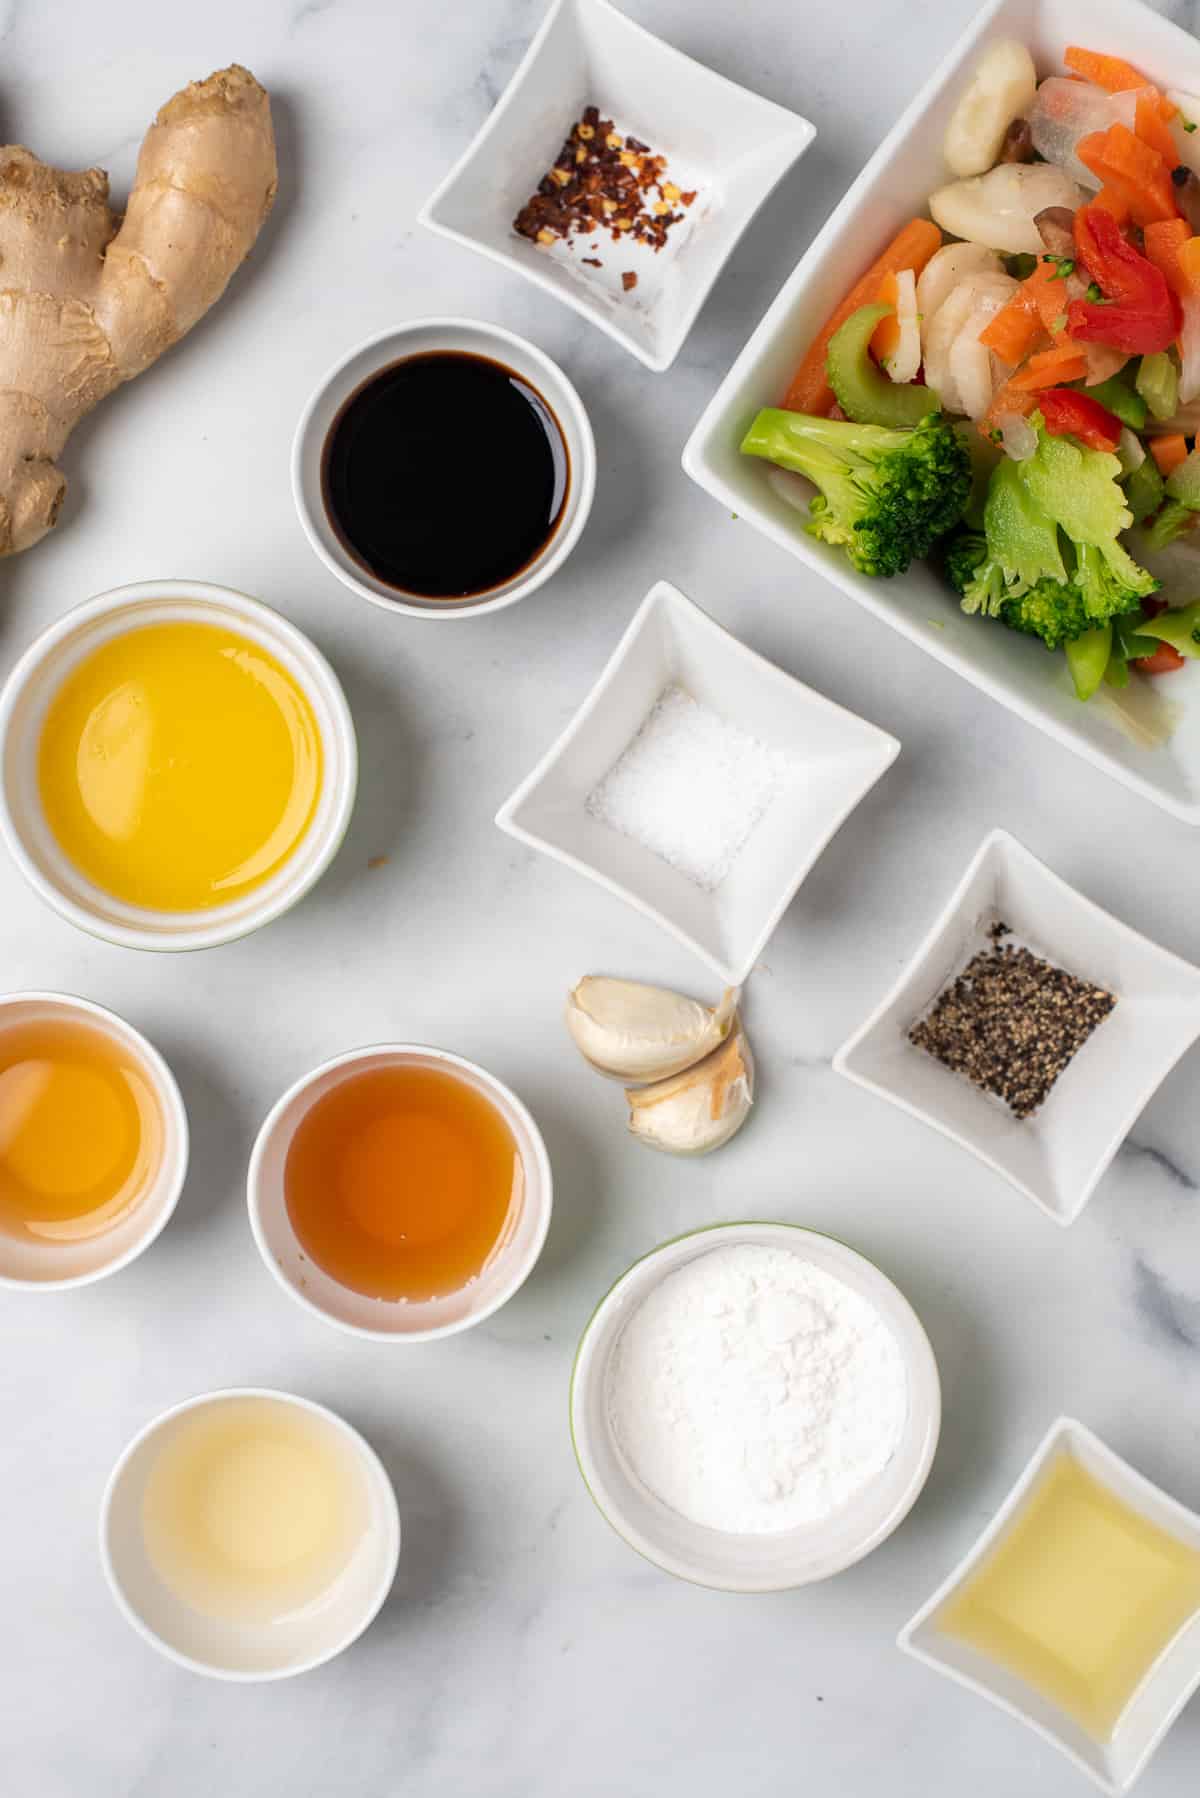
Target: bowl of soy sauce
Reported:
[(444, 468)]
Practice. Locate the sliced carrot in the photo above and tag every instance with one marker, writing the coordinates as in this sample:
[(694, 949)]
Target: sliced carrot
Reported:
[(1066, 361), (1110, 72), (886, 337), (1014, 330), (911, 247), (1188, 259), (1168, 451), (1005, 401), (1030, 314), (1164, 239), (1152, 128), (1115, 202), (1139, 174)]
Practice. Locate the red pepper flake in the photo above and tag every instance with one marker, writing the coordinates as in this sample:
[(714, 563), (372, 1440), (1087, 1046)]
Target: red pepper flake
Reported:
[(601, 181), (628, 280), (593, 262)]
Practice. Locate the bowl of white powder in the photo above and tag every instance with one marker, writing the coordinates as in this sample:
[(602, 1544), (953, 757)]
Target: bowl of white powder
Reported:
[(754, 1406)]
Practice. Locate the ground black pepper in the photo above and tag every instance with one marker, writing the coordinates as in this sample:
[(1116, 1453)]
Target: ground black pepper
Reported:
[(603, 182), (1010, 1022)]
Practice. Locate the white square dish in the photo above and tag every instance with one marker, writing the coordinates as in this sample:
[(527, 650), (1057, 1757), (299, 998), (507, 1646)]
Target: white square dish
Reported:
[(730, 144), (839, 758), (893, 186), (1113, 1764), (1057, 1156)]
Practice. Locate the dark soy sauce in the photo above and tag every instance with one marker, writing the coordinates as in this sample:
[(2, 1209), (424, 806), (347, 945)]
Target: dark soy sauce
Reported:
[(445, 475)]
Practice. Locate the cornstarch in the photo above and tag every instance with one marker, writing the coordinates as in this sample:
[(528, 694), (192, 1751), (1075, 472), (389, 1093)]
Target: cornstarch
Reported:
[(691, 787), (751, 1391)]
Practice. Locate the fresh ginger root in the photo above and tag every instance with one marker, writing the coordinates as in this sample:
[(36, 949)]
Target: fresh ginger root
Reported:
[(85, 305)]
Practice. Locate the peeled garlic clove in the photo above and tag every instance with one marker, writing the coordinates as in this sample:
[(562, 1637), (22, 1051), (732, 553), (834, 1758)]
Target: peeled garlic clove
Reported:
[(638, 1032), (698, 1110)]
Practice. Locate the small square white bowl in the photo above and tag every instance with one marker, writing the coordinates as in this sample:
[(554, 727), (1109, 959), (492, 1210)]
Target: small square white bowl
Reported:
[(894, 185), (1174, 1676), (1056, 1157), (732, 145), (669, 642)]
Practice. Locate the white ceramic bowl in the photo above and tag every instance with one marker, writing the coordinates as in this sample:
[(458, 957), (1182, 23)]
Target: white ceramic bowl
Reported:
[(243, 1651), (52, 1266), (728, 143), (895, 184), (1057, 1157), (420, 337), (839, 756), (1175, 1675), (717, 1558), (389, 1320), (28, 693)]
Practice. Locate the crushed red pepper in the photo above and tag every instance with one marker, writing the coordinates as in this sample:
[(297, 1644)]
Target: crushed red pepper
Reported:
[(603, 182)]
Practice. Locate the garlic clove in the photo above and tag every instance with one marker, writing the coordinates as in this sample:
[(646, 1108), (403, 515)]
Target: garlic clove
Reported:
[(637, 1032), (697, 1111)]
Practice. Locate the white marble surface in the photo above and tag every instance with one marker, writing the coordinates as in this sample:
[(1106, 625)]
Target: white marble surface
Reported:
[(526, 1653)]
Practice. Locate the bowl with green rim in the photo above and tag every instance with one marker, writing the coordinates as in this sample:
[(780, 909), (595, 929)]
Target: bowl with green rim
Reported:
[(761, 1562)]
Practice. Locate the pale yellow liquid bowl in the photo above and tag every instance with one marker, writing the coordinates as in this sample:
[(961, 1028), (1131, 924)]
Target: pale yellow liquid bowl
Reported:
[(26, 699), (229, 1647)]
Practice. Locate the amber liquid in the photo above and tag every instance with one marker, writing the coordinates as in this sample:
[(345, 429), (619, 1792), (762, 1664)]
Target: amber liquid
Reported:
[(400, 1182), (81, 1133)]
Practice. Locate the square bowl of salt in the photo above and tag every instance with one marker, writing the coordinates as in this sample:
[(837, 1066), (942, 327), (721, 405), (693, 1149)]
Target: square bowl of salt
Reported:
[(698, 781), (618, 174), (1030, 1026)]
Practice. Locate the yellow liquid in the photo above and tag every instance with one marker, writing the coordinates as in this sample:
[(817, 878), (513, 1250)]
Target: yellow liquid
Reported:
[(253, 1510), (1079, 1598), (81, 1132), (179, 766)]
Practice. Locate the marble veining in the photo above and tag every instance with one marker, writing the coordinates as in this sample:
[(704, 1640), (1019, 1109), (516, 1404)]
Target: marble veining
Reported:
[(525, 1651)]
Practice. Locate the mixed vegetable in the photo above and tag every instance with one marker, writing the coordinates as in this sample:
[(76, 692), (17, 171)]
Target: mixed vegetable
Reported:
[(1014, 384)]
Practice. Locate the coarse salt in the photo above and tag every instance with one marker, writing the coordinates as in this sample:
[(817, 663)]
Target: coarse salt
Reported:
[(691, 787), (753, 1392)]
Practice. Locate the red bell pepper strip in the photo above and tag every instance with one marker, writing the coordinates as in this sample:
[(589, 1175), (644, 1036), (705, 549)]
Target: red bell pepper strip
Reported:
[(1141, 313), (1069, 413), (1165, 660)]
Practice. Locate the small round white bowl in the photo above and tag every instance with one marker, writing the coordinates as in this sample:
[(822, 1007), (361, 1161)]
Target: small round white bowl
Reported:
[(717, 1558), (27, 695), (396, 1320), (53, 1266), (419, 337), (241, 1651)]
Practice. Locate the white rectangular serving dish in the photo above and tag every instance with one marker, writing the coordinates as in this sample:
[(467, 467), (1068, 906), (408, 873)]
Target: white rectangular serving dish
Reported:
[(894, 186), (731, 143), (1174, 1676), (839, 758)]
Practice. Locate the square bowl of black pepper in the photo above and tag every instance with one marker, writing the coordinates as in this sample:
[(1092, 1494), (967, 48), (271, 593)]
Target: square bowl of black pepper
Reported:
[(618, 174), (1030, 1026)]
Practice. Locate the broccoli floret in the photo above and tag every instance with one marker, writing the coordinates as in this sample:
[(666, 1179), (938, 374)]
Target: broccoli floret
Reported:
[(964, 555), (1050, 609), (1049, 562), (885, 496), (1110, 580)]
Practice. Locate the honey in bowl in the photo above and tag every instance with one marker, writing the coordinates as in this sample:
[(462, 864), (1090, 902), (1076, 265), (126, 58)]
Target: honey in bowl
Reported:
[(400, 1182), (81, 1131), (179, 766)]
